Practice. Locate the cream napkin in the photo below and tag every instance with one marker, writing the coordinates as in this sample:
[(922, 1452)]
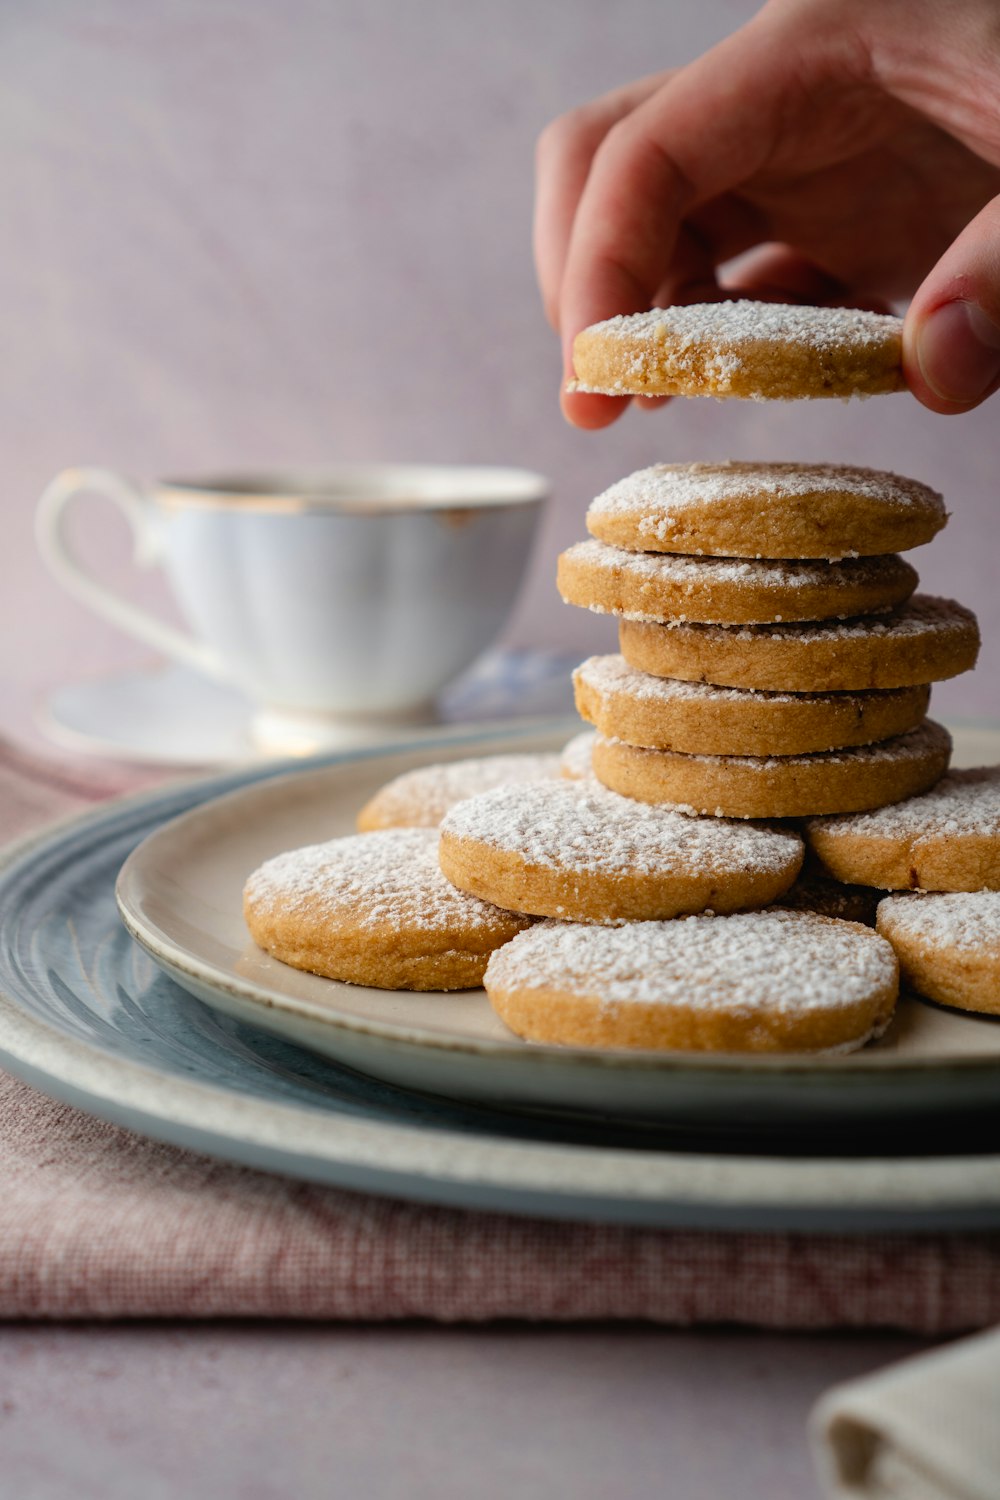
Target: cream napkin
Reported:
[(927, 1429)]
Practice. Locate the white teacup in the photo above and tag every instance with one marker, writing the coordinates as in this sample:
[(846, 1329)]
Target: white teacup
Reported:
[(356, 591)]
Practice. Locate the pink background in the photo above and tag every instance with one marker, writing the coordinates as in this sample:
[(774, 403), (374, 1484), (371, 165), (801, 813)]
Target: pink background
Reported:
[(247, 234)]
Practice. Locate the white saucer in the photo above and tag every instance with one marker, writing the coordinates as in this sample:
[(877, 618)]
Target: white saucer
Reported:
[(169, 715)]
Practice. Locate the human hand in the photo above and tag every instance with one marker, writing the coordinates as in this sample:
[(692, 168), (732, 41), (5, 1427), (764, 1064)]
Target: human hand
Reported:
[(851, 146)]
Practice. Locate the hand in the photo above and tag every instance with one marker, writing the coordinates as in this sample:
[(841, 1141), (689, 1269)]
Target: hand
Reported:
[(851, 146)]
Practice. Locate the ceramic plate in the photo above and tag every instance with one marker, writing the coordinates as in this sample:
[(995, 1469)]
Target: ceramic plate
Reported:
[(180, 895), (86, 1014), (167, 715)]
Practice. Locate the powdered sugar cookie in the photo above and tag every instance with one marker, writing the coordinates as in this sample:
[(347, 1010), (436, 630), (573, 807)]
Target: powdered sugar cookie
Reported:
[(761, 981), (925, 640), (374, 909), (420, 798), (665, 586), (777, 786), (767, 351), (948, 946), (574, 850), (575, 762), (665, 713), (767, 510), (948, 839)]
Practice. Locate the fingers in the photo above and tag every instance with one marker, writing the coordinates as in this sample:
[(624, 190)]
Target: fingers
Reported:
[(692, 140), (951, 338), (699, 135), (563, 156)]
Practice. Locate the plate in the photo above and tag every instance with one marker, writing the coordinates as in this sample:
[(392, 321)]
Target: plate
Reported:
[(167, 715), (88, 1016), (180, 895)]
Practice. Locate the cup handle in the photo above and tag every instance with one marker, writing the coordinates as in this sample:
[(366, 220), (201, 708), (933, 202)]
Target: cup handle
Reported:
[(66, 566)]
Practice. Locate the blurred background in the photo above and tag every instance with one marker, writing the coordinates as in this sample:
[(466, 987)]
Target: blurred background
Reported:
[(240, 234)]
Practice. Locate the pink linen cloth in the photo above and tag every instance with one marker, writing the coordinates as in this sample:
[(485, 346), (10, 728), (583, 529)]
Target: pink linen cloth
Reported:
[(96, 1222)]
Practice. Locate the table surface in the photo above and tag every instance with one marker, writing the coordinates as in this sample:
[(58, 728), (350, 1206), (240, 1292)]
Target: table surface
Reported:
[(261, 1412)]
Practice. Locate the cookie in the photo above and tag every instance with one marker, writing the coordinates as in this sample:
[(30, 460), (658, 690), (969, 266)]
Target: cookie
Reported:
[(764, 351), (761, 981), (926, 640), (574, 850), (664, 713), (777, 786), (575, 762), (767, 510), (374, 909), (948, 946), (420, 798), (948, 839), (666, 586)]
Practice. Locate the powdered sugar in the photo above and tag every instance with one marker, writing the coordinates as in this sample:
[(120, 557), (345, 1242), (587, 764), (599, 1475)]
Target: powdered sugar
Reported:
[(688, 572), (390, 878), (927, 739), (581, 826), (774, 961), (921, 615), (576, 760), (963, 803), (736, 326), (652, 496), (611, 675), (420, 798), (966, 920)]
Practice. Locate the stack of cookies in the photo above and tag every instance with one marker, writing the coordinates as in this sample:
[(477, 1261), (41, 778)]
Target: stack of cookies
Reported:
[(775, 664), (775, 661)]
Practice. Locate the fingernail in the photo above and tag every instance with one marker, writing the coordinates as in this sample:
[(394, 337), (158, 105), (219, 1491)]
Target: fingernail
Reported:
[(958, 352)]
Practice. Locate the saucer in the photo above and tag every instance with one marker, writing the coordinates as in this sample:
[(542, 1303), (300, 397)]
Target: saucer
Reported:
[(171, 716)]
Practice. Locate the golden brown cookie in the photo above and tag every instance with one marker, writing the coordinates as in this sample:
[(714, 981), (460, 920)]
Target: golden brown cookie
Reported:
[(374, 909), (572, 849), (575, 761), (926, 640), (777, 786), (664, 713), (420, 798), (761, 981), (765, 351), (947, 839), (767, 510), (665, 586), (948, 946)]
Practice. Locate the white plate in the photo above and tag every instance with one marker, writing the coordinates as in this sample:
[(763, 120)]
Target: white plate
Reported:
[(180, 895)]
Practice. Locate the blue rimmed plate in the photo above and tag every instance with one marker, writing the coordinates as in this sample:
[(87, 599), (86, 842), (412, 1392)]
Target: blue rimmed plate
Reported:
[(92, 1018)]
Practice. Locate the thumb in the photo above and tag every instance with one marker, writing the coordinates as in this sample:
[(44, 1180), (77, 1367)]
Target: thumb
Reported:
[(951, 338)]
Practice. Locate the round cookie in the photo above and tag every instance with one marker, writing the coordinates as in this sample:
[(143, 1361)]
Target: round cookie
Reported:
[(766, 510), (761, 981), (574, 850), (575, 762), (665, 713), (665, 586), (764, 351), (948, 839), (374, 909), (420, 798), (948, 946), (926, 640), (777, 786)]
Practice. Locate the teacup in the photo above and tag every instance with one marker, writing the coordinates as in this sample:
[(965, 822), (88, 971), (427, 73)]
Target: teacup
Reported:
[(351, 592)]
